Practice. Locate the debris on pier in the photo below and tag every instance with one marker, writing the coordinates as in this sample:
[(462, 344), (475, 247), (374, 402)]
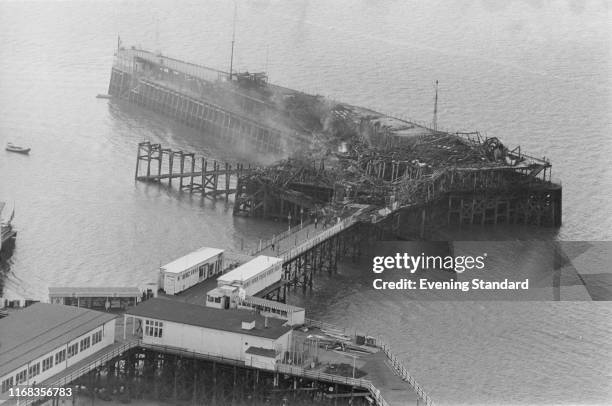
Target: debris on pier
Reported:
[(333, 152)]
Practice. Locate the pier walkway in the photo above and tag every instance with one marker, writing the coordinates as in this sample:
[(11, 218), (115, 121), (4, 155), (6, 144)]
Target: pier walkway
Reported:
[(385, 376), (387, 388), (300, 239)]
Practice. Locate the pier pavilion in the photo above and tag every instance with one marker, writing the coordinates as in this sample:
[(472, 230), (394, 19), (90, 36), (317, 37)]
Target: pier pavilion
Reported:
[(238, 335)]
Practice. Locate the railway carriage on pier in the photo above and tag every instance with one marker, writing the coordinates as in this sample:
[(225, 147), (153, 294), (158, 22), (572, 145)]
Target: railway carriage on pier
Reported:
[(193, 268), (246, 280), (255, 275)]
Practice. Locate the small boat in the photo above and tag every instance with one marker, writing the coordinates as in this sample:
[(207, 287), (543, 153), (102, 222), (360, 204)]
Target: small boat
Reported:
[(16, 148), (104, 96)]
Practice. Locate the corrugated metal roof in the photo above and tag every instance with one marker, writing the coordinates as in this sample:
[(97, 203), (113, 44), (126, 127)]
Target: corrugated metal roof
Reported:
[(34, 331), (247, 271), (202, 316), (101, 291), (192, 259)]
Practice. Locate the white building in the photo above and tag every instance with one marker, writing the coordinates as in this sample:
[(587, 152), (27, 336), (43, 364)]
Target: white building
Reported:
[(254, 276), (294, 316), (239, 335), (44, 339), (101, 298), (191, 269), (223, 297)]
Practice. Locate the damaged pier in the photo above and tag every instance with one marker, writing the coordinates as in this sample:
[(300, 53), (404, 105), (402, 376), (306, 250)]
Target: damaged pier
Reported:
[(343, 176), (197, 175), (414, 177)]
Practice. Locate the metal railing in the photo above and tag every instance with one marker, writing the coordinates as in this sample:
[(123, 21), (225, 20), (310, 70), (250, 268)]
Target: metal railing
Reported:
[(125, 59), (396, 363), (401, 370), (312, 241), (278, 237), (343, 380), (330, 232)]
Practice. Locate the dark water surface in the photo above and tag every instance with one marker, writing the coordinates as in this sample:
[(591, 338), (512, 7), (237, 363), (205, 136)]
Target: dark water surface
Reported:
[(533, 73)]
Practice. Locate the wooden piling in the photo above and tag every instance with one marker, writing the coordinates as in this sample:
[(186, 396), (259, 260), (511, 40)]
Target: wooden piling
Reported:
[(215, 177), (192, 173), (171, 164), (149, 150), (228, 167), (160, 159), (182, 170), (138, 161)]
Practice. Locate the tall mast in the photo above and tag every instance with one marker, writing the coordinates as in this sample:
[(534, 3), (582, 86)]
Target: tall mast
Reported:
[(435, 114), (233, 40)]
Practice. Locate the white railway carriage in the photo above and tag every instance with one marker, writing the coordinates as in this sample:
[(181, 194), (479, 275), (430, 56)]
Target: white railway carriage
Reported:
[(191, 269), (254, 276)]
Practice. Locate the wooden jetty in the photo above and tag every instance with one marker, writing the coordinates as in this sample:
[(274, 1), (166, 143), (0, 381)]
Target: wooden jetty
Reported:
[(197, 175)]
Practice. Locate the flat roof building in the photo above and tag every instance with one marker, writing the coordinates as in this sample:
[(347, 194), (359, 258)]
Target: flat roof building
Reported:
[(44, 339), (215, 332), (188, 270), (256, 275), (247, 271), (293, 314), (192, 259), (96, 297)]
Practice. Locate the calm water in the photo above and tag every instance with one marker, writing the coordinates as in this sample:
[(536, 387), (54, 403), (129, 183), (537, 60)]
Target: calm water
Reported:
[(533, 73)]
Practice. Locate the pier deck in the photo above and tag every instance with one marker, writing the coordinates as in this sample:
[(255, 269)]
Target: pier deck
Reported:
[(300, 238), (378, 370), (394, 389)]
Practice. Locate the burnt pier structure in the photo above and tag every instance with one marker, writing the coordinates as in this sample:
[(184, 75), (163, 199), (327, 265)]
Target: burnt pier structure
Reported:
[(194, 174), (335, 207), (414, 175)]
